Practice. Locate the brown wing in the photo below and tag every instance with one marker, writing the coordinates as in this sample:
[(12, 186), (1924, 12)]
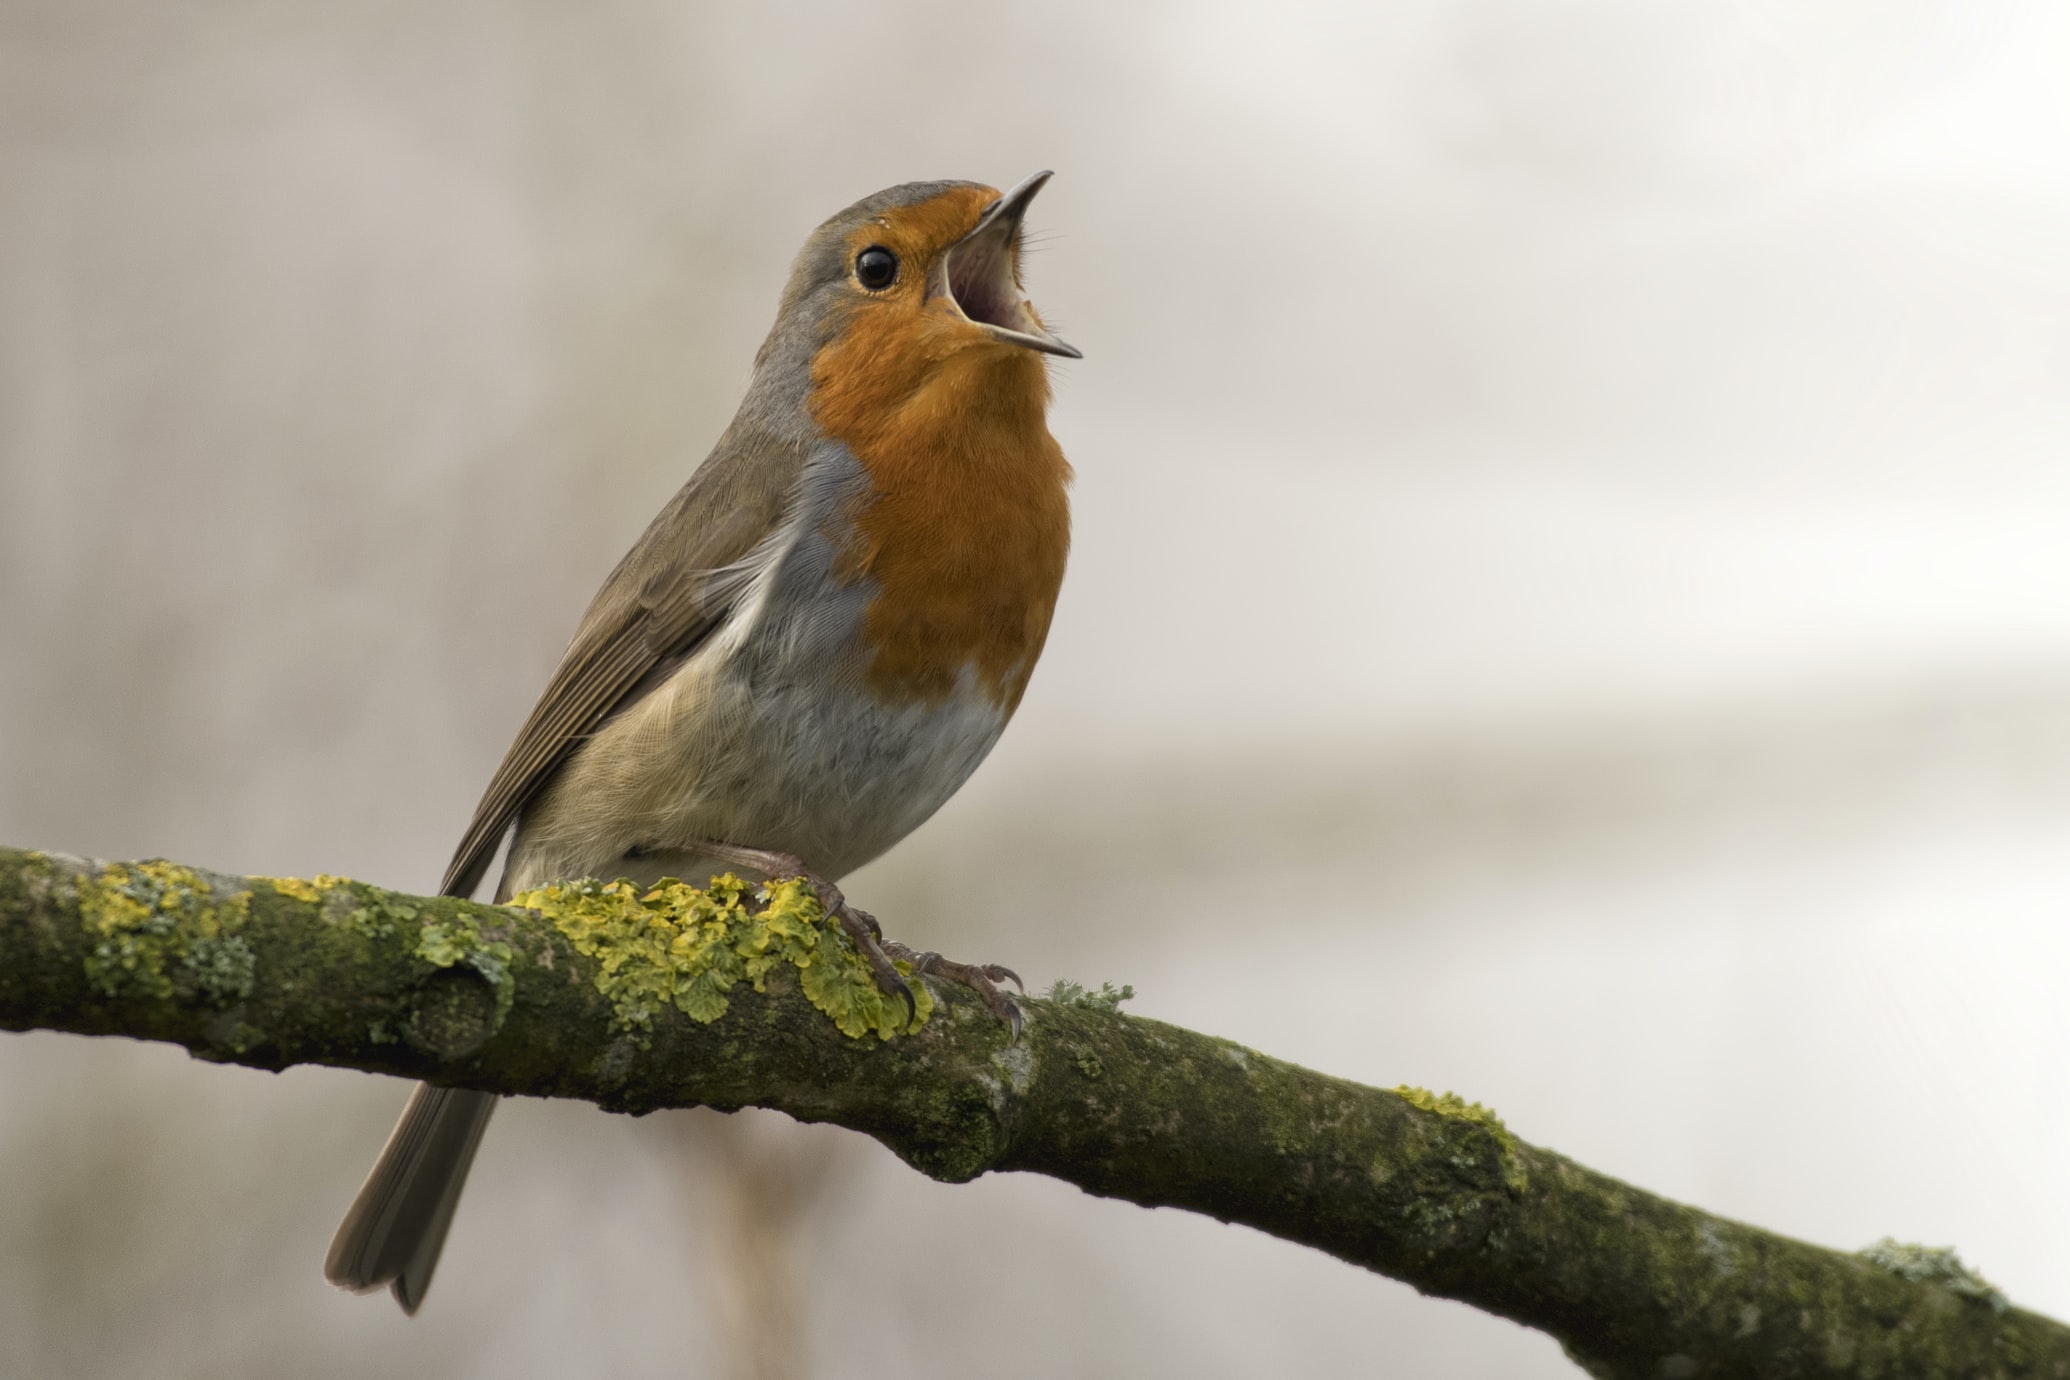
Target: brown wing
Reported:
[(673, 588)]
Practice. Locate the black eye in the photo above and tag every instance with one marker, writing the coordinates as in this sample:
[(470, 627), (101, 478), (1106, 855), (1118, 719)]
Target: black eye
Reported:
[(876, 268)]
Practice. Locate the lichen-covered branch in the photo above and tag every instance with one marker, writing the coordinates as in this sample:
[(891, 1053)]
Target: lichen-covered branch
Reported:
[(728, 997)]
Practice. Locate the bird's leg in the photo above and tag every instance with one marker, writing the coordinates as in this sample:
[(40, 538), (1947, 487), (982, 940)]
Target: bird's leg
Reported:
[(862, 928)]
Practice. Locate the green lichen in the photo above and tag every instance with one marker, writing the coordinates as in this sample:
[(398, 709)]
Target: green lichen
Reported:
[(222, 966), (1934, 1265), (456, 939), (687, 947), (160, 930), (1457, 1108), (381, 914), (1065, 992)]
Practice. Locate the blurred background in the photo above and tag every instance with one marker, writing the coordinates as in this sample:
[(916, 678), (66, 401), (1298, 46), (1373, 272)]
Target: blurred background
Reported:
[(1570, 604)]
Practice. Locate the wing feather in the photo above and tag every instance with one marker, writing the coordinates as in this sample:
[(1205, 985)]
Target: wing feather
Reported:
[(672, 590)]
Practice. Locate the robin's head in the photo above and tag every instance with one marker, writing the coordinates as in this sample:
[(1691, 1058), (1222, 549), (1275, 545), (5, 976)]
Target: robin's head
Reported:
[(927, 265)]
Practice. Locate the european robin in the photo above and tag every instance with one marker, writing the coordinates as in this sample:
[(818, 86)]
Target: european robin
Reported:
[(813, 645)]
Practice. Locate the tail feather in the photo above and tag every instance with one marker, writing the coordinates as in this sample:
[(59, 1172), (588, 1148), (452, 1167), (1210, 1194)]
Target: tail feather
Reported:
[(394, 1231)]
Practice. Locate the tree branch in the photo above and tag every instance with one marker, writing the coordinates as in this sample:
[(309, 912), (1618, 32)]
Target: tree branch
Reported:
[(589, 993)]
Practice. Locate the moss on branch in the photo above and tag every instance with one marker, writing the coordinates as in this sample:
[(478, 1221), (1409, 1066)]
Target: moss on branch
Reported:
[(727, 997)]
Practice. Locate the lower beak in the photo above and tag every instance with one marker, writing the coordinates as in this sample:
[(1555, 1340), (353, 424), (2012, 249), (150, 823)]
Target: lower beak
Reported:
[(978, 274)]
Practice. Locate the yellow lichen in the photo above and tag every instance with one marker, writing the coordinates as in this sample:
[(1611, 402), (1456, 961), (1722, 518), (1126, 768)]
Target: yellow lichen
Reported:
[(687, 947), (1450, 1104), (1457, 1108), (311, 890), (160, 928)]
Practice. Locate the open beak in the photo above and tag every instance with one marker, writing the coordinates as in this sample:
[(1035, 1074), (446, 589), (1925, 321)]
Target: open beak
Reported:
[(977, 274)]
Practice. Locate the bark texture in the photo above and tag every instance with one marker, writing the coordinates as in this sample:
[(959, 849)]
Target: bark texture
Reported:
[(1427, 1189)]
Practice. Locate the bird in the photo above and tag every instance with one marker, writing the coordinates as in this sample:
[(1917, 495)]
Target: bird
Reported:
[(808, 650)]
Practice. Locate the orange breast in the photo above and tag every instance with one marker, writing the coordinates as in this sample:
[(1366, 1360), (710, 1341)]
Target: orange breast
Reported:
[(967, 526)]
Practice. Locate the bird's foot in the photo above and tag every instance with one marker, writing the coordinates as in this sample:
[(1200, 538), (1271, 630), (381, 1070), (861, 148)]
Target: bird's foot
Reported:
[(860, 926), (981, 978), (868, 937)]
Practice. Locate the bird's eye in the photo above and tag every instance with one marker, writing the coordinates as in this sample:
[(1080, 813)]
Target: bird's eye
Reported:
[(876, 268)]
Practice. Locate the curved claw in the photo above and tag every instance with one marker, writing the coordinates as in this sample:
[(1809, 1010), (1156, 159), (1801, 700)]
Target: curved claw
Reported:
[(912, 1012), (886, 972), (881, 967)]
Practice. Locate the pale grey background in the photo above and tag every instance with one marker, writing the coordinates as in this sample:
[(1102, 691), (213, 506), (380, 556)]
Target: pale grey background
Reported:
[(1570, 604)]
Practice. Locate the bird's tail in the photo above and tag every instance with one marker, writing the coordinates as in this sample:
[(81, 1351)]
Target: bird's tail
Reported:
[(396, 1226)]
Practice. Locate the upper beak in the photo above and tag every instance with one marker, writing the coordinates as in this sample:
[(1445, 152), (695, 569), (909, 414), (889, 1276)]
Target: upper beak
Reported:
[(977, 274)]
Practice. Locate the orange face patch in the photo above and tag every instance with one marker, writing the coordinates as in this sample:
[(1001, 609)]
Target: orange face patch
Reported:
[(919, 233), (967, 525)]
